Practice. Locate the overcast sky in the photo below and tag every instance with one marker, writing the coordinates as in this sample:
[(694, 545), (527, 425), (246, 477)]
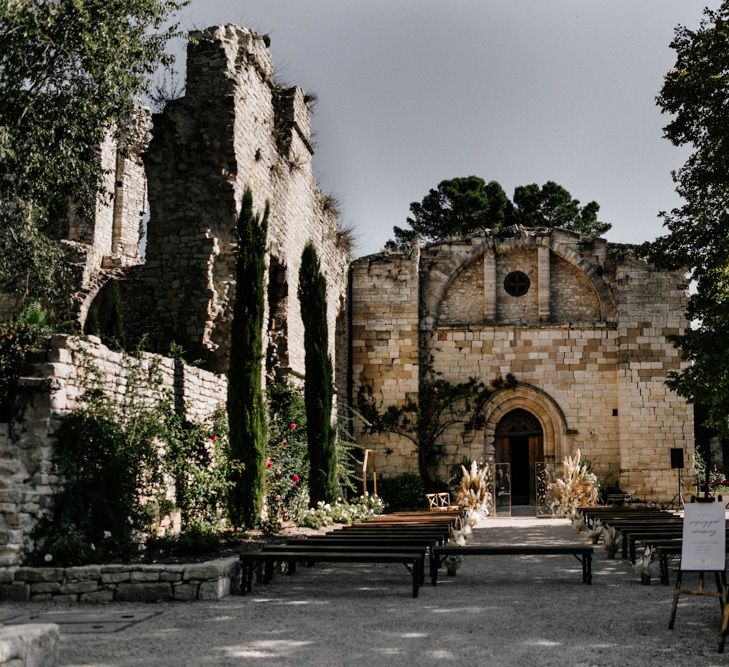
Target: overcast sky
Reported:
[(412, 92)]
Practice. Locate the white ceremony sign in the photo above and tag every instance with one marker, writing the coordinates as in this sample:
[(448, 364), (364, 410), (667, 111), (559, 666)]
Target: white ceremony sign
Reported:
[(704, 537)]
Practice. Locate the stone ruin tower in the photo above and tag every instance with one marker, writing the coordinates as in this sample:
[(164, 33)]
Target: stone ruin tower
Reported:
[(236, 127)]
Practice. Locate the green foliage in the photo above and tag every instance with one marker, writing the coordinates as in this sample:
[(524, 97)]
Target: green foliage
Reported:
[(552, 206), (456, 208), (287, 465), (17, 338), (195, 540), (117, 457), (441, 405), (107, 455), (69, 71), (403, 492), (354, 511), (696, 94), (246, 410), (197, 457), (461, 206), (31, 260), (318, 387)]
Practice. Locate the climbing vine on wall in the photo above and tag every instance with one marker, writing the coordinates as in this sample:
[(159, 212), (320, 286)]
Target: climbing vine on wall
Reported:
[(441, 404)]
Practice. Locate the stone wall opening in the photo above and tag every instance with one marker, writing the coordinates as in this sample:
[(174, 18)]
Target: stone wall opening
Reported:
[(519, 441)]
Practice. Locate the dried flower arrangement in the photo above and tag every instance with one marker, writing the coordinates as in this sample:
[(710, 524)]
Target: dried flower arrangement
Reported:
[(644, 567), (473, 491), (577, 488)]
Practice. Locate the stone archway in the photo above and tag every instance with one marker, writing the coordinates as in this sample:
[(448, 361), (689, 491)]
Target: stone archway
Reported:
[(540, 405)]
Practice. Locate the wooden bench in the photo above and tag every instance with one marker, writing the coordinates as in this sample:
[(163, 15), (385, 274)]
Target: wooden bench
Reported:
[(341, 547), (253, 560), (582, 552), (393, 543)]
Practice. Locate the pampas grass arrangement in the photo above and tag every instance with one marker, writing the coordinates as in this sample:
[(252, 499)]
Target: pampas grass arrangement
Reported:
[(577, 488), (473, 491)]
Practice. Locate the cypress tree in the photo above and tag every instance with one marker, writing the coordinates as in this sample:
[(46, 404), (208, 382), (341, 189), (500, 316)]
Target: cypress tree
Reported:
[(246, 405), (318, 388)]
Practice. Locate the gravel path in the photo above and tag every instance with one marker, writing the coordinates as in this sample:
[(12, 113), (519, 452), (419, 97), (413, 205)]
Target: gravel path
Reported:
[(520, 610)]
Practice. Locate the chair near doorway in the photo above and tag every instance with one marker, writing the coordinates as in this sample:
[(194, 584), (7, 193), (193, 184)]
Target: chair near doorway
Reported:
[(440, 502)]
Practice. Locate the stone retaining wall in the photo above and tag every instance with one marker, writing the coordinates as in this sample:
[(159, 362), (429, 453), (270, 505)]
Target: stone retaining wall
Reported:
[(54, 386), (210, 580)]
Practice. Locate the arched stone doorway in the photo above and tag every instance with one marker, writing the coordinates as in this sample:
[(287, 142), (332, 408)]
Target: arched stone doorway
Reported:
[(519, 441)]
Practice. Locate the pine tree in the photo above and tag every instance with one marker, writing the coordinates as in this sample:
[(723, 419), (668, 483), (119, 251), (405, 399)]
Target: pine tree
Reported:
[(246, 405), (318, 388)]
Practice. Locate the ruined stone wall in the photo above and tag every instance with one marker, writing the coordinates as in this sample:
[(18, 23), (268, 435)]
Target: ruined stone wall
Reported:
[(652, 419), (53, 387), (235, 128), (385, 347), (587, 346)]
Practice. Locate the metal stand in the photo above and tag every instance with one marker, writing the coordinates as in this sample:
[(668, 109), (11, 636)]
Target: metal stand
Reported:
[(678, 495)]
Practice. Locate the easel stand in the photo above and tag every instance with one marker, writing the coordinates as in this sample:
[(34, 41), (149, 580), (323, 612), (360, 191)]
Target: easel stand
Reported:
[(719, 578)]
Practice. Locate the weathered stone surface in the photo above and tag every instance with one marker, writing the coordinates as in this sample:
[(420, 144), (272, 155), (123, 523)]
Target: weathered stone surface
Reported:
[(145, 575), (184, 591), (214, 590), (170, 576), (106, 595), (32, 645), (73, 587), (47, 587), (115, 569), (84, 572), (203, 571), (151, 592), (31, 574), (115, 577), (16, 592), (7, 575)]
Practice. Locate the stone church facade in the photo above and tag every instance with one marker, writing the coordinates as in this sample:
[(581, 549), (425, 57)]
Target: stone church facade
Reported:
[(581, 325)]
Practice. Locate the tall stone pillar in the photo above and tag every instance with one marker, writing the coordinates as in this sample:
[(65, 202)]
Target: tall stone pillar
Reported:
[(543, 282)]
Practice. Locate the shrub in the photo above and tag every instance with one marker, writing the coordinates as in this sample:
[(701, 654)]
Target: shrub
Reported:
[(403, 492), (196, 456), (327, 514), (195, 540), (286, 464)]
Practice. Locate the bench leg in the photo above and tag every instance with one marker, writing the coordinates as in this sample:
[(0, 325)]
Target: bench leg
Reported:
[(624, 544), (435, 564), (676, 593), (248, 568), (417, 571), (588, 568)]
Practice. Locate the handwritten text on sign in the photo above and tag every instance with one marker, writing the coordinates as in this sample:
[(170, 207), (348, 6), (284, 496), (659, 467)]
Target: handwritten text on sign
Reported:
[(704, 537)]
